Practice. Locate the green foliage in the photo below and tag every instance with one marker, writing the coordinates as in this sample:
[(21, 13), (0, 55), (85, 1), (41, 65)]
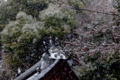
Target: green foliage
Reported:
[(76, 3), (19, 35), (96, 68), (9, 9), (58, 17), (117, 7), (59, 23)]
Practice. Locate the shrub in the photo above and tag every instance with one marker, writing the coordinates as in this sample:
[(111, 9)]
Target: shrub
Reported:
[(96, 68)]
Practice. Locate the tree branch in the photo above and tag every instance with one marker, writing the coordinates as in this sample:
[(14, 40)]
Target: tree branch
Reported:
[(93, 11)]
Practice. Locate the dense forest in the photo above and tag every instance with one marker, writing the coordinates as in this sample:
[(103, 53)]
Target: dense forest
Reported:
[(86, 30)]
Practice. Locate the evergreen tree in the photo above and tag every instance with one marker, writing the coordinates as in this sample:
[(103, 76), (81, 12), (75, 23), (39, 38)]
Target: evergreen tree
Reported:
[(22, 37)]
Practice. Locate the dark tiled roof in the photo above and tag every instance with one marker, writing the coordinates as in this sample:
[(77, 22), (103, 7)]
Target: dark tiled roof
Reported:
[(59, 70), (29, 72)]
